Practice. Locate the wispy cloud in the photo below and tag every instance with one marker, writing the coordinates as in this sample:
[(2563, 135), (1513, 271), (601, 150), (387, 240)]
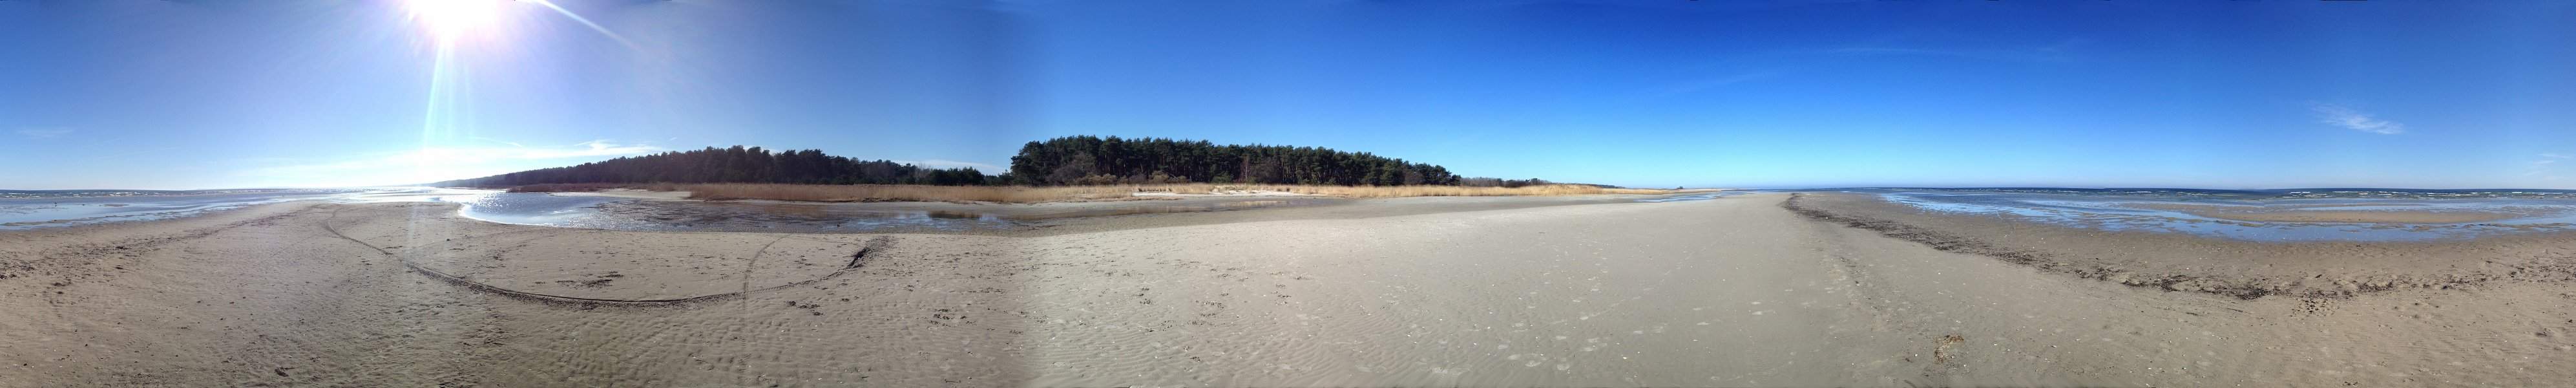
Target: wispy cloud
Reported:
[(2348, 118), (944, 163), (472, 155), (49, 133), (486, 139), (2546, 166)]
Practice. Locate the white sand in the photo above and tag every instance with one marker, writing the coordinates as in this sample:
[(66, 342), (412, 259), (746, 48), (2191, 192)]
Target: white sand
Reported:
[(1728, 292)]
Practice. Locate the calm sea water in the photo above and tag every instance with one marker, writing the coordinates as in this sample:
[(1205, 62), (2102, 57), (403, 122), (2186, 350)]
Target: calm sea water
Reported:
[(29, 209), (2533, 211), (24, 209)]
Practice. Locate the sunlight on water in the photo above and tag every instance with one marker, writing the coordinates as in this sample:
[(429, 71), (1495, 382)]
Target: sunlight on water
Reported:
[(59, 208), (1696, 197)]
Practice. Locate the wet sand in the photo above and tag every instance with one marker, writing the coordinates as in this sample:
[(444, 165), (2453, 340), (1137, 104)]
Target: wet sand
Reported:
[(1733, 291), (2183, 262)]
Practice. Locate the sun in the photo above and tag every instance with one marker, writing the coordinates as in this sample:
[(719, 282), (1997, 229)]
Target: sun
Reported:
[(449, 20)]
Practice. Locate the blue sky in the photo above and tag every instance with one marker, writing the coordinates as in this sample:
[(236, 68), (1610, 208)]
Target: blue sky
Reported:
[(2215, 94)]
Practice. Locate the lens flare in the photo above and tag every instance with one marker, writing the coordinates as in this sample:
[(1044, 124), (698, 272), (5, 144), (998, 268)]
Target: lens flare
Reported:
[(459, 32), (449, 20)]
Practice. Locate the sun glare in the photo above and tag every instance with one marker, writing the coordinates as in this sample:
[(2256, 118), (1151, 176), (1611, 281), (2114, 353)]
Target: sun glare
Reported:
[(449, 20)]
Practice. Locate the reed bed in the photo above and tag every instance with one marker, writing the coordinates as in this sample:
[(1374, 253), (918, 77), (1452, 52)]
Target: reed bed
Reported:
[(889, 193), (1395, 191), (584, 187), (1027, 194)]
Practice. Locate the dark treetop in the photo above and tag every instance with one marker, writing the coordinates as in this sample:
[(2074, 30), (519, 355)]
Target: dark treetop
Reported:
[(1094, 160), (735, 165)]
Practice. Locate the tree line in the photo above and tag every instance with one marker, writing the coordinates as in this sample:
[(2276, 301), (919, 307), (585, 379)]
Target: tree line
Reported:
[(1073, 160), (737, 165), (1078, 160)]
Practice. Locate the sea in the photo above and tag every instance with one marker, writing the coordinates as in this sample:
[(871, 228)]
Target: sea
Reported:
[(30, 209)]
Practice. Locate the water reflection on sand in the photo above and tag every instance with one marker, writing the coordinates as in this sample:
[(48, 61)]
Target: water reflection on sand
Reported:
[(1697, 197)]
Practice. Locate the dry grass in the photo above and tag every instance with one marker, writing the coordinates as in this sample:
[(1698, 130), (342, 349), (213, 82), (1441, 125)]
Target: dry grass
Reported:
[(1026, 194), (1396, 191), (590, 187), (887, 193)]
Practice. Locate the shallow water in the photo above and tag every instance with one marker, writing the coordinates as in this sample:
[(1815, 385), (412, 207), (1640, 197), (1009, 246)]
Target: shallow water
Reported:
[(2147, 210), (41, 209), (1697, 197), (650, 215)]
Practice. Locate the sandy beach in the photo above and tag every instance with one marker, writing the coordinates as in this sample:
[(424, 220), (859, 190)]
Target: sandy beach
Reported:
[(806, 194), (1746, 290)]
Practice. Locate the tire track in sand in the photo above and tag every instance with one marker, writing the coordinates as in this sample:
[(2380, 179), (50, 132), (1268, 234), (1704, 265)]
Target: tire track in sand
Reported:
[(856, 259)]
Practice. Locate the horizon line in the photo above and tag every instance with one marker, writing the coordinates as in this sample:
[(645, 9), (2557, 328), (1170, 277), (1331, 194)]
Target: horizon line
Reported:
[(1683, 187)]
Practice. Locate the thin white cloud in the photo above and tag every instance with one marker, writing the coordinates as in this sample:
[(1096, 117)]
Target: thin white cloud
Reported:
[(943, 163), (486, 139), (43, 133), (2547, 164), (2348, 118), (477, 155)]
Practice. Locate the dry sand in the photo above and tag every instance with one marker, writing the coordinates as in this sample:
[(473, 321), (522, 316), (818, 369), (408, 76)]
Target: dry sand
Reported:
[(1735, 291)]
